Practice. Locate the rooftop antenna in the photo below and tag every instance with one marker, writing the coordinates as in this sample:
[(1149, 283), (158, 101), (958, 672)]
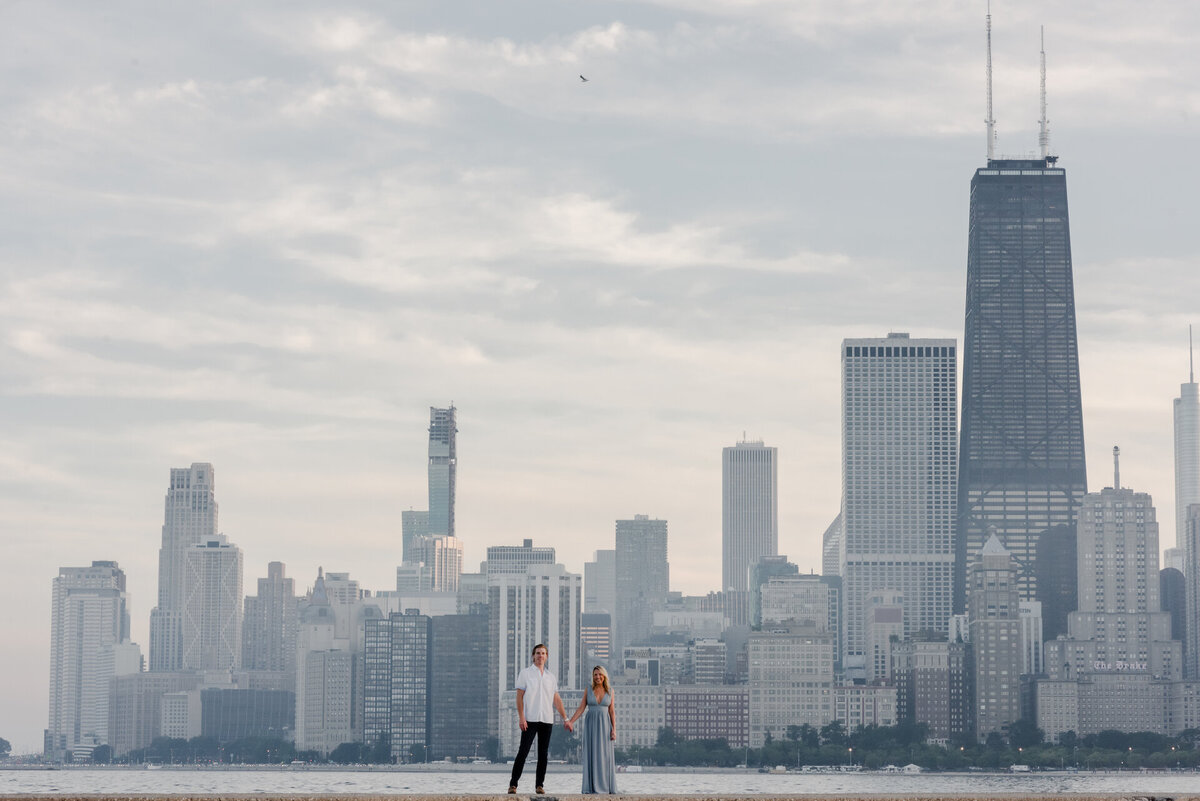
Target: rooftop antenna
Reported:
[(1191, 358), (990, 121), (1044, 134), (1116, 467)]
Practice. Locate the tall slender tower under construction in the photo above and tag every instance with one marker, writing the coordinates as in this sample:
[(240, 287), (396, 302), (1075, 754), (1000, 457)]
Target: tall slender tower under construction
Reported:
[(1021, 461), (443, 467)]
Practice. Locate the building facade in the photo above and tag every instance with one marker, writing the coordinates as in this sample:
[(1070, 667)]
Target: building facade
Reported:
[(211, 619), (190, 517), (1021, 460), (995, 623), (443, 469), (541, 606), (642, 577), (791, 680), (932, 687), (269, 624), (457, 689), (899, 443), (89, 646), (709, 712), (749, 510)]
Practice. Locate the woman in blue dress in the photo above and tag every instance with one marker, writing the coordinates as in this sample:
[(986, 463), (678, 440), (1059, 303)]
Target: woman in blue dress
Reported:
[(599, 734)]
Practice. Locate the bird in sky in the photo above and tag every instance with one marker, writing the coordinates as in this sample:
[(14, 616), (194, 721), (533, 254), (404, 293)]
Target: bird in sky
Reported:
[(585, 80)]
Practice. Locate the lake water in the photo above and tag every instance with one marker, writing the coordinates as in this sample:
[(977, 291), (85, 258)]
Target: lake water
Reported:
[(566, 780)]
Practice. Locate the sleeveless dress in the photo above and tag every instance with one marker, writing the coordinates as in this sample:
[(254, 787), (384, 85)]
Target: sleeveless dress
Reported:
[(599, 766)]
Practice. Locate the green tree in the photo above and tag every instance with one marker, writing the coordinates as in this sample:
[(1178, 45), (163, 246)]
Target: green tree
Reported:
[(381, 752), (347, 754), (102, 754), (833, 733), (417, 753), (491, 748), (1024, 733)]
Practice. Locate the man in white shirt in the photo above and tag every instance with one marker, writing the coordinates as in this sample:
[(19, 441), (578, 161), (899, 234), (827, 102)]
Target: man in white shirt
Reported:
[(537, 699)]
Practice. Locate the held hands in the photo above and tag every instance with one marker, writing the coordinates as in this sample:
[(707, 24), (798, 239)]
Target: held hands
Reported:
[(570, 726)]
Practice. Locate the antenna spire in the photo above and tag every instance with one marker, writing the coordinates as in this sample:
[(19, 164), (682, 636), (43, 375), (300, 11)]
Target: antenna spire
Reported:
[(1116, 467), (1191, 358), (1044, 134), (990, 120)]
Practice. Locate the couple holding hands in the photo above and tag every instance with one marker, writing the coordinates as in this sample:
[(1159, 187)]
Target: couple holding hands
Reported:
[(537, 700)]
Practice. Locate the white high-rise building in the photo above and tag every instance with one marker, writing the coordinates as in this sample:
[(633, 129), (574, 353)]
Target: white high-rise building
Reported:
[(190, 517), (600, 583), (542, 605), (212, 605), (326, 669), (749, 510), (442, 557), (1191, 538), (89, 645), (899, 462)]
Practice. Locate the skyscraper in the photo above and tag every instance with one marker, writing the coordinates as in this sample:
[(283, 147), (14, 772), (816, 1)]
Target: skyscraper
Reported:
[(443, 467), (642, 577), (749, 510), (1021, 463), (898, 474), (211, 614), (89, 645), (1187, 455), (269, 625), (995, 620), (190, 517)]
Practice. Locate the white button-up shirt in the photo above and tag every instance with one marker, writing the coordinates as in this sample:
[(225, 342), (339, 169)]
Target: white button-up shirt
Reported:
[(540, 687)]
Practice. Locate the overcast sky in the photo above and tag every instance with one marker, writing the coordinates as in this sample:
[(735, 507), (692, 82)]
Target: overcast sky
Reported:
[(270, 235)]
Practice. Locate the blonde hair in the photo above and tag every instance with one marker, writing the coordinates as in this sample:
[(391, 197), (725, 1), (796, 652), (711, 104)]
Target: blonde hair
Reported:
[(603, 678)]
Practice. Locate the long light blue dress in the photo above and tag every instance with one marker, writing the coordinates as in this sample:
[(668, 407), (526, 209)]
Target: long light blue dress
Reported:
[(599, 766)]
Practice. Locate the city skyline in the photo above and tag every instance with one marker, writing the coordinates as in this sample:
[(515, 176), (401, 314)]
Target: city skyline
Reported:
[(387, 214)]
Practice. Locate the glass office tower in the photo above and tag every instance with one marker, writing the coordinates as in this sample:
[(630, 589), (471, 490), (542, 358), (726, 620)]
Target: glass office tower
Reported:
[(1021, 465)]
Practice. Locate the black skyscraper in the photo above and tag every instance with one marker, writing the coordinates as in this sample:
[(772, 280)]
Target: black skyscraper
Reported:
[(1021, 467)]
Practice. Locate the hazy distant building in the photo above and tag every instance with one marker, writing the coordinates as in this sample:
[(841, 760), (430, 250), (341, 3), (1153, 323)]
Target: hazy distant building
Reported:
[(1172, 599), (212, 605), (472, 593), (1174, 557), (595, 633), (442, 557), (642, 576), (413, 524), (1031, 637), (327, 670), (761, 571), (457, 688), (190, 517), (89, 646), (515, 559), (709, 661), (1191, 538), (831, 548), (600, 583), (883, 611), (1187, 454), (791, 680), (443, 469), (749, 510), (135, 707), (995, 621), (269, 624), (898, 451), (1021, 469), (234, 713), (1118, 653)]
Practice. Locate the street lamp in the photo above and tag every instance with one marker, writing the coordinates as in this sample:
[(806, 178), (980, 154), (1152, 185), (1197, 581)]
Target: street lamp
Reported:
[(851, 750)]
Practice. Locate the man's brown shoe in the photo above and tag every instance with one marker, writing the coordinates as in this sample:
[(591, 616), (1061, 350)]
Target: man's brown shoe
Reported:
[(512, 789), (539, 790)]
